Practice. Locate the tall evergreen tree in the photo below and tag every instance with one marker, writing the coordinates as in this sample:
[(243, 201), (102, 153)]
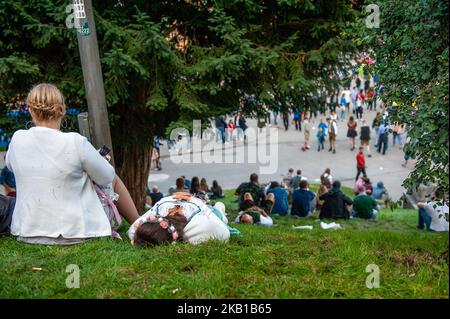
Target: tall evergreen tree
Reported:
[(168, 62)]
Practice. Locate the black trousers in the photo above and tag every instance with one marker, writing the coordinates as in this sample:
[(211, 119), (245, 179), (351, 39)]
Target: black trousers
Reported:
[(359, 112), (6, 210), (359, 171), (286, 122)]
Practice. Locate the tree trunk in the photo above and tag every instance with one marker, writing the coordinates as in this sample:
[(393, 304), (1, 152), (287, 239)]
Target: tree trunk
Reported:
[(133, 167)]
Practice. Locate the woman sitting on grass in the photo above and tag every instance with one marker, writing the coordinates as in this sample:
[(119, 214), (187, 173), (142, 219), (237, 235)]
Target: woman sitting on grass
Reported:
[(181, 217), (57, 202), (216, 190)]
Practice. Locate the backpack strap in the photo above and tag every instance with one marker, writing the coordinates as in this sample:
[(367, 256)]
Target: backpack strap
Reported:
[(112, 206)]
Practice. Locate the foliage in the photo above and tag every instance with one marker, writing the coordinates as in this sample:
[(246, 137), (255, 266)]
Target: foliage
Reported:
[(411, 49), (231, 48), (167, 63)]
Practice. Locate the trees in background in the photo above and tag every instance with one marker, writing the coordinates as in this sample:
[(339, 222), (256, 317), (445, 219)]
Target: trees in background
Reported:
[(411, 49), (168, 62)]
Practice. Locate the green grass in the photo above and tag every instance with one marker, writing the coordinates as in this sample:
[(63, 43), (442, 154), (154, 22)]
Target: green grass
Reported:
[(268, 262)]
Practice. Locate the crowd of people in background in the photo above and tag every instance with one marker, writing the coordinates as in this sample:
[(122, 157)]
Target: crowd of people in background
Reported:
[(291, 196), (347, 107), (186, 211)]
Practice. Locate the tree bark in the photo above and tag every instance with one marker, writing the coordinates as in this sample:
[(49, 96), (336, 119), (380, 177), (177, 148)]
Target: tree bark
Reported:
[(133, 167)]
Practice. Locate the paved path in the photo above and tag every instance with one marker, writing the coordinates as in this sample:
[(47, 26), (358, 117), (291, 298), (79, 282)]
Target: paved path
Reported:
[(312, 163), (342, 164)]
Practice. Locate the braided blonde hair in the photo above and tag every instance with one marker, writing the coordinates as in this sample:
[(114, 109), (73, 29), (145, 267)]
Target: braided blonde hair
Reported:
[(47, 102)]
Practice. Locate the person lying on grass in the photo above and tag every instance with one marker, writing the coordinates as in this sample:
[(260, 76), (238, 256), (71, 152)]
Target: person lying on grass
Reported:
[(255, 215), (181, 217)]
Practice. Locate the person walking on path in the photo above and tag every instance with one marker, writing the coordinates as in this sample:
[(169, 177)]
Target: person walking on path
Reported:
[(376, 126), (384, 137), (332, 133), (221, 127), (360, 163), (370, 99), (306, 132), (365, 136), (241, 126), (360, 101), (351, 131), (353, 95), (321, 134), (285, 116), (230, 129), (297, 119), (397, 131), (342, 106)]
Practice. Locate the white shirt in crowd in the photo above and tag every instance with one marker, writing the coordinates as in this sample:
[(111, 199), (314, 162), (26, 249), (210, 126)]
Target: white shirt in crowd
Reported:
[(348, 95), (55, 196), (437, 212), (333, 122)]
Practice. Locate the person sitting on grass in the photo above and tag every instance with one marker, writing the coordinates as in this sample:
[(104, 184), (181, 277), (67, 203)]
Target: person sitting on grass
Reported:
[(326, 178), (155, 194), (363, 181), (179, 186), (433, 214), (60, 178), (288, 178), (255, 215), (6, 211), (187, 182), (295, 183), (216, 190), (303, 201), (335, 203), (195, 185), (280, 194), (181, 217), (253, 188), (8, 181), (364, 206), (148, 202), (204, 185), (368, 185), (266, 204), (381, 195), (320, 191)]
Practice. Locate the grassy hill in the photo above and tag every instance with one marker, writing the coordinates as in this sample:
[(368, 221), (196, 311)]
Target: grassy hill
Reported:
[(268, 262)]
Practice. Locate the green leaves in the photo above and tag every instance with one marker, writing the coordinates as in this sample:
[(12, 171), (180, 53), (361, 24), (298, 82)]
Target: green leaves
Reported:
[(170, 61), (413, 67)]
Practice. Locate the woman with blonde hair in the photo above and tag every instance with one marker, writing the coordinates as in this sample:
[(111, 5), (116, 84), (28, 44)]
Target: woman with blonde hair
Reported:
[(57, 202)]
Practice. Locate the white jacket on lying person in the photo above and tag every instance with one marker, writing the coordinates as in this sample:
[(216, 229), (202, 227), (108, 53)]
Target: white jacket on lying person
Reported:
[(202, 224)]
